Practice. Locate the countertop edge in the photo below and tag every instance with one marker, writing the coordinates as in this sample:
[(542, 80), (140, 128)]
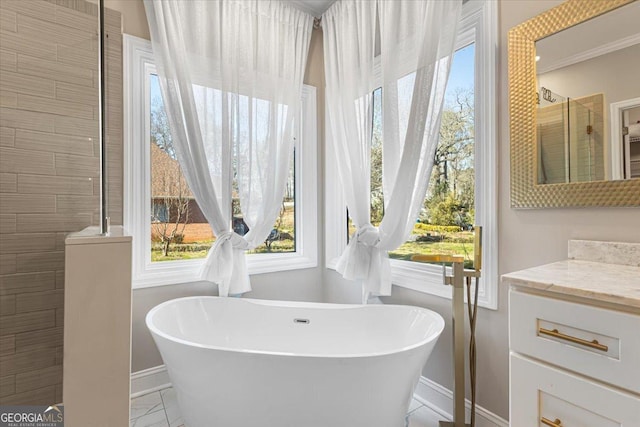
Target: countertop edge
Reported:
[(618, 296)]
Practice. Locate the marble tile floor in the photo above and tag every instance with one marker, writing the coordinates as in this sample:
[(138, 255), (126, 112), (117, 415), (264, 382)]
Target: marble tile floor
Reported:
[(160, 409)]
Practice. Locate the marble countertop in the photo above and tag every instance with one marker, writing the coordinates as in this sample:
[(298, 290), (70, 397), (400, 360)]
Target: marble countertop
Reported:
[(617, 284)]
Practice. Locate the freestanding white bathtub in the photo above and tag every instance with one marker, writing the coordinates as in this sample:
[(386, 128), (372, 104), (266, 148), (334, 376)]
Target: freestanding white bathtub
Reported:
[(255, 363)]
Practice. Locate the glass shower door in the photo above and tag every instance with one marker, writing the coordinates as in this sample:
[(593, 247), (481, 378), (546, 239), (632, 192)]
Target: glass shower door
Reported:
[(586, 159), (553, 155)]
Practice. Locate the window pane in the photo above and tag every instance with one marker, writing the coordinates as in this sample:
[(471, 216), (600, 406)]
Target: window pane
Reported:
[(377, 196), (375, 185), (179, 230), (446, 218), (283, 235)]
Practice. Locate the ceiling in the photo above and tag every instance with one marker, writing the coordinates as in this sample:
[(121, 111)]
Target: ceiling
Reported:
[(312, 7)]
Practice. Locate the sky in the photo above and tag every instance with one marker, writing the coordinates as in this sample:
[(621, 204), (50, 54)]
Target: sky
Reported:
[(154, 86), (462, 70)]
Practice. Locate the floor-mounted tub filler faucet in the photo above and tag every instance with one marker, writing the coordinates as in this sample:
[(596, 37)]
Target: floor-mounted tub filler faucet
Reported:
[(458, 277)]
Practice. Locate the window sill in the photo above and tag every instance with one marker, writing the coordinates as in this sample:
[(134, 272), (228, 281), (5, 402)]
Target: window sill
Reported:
[(426, 279), (178, 272)]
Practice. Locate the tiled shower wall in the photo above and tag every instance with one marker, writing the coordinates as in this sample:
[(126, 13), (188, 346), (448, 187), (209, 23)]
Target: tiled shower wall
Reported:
[(49, 186)]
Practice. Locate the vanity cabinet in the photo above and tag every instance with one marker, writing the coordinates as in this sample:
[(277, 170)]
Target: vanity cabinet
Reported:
[(574, 340), (543, 395), (572, 364)]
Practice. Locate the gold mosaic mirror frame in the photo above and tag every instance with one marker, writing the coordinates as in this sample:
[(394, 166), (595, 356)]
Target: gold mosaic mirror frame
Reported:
[(525, 192)]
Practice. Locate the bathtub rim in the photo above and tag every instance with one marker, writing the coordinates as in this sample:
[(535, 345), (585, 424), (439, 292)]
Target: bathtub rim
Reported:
[(299, 304)]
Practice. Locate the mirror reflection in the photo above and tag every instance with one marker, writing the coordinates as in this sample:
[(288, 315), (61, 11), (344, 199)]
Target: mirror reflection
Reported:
[(588, 118)]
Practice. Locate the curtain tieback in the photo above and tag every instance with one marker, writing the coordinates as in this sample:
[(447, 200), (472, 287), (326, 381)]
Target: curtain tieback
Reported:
[(226, 256), (355, 261), (365, 260), (237, 241), (367, 235)]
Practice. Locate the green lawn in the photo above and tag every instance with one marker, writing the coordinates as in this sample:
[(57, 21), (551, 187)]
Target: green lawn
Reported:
[(200, 250), (405, 251), (287, 245), (438, 242), (173, 255)]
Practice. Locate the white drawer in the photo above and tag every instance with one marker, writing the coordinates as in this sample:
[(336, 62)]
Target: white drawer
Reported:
[(615, 358), (543, 396)]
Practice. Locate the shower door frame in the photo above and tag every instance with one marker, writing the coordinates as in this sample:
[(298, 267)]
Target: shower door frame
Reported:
[(618, 144)]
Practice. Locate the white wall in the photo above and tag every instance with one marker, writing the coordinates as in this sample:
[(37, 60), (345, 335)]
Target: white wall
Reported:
[(590, 77)]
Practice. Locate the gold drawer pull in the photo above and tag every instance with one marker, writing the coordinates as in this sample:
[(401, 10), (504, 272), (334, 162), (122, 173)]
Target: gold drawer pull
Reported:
[(554, 333), (556, 423)]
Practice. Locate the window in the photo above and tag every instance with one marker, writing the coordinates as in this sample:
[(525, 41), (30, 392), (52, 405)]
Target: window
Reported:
[(462, 189), (171, 235), (179, 229), (445, 221)]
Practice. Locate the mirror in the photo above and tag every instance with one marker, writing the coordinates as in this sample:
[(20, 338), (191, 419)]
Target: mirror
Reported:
[(584, 74), (575, 106)]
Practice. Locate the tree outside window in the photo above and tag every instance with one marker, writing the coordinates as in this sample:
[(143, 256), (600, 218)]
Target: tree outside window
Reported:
[(445, 221), (179, 229)]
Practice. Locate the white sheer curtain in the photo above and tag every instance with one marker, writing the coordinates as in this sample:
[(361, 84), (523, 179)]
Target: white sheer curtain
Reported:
[(417, 40), (231, 77)]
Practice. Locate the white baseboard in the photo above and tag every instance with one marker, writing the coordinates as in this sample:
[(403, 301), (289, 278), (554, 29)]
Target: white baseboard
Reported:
[(149, 380), (440, 400)]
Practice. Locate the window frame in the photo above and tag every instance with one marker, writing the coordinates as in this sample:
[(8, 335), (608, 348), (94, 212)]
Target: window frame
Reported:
[(138, 64), (478, 24)]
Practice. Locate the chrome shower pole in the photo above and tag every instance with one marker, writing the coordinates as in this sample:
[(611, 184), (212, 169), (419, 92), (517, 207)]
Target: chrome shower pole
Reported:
[(102, 120)]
